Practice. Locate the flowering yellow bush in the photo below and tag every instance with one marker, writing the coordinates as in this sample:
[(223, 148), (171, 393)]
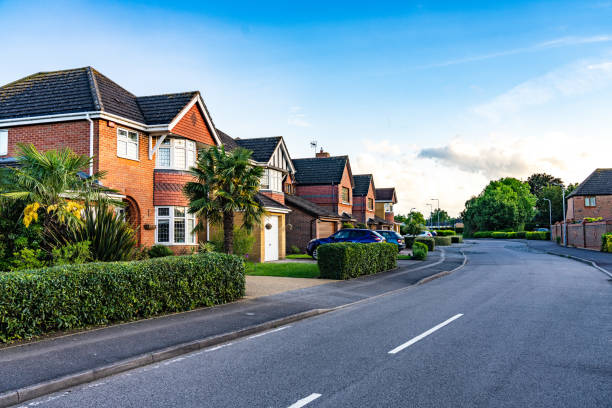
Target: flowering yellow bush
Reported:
[(30, 213)]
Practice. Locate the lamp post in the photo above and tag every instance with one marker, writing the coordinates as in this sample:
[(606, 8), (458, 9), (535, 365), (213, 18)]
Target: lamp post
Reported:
[(438, 210), (549, 216), (564, 228), (430, 214)]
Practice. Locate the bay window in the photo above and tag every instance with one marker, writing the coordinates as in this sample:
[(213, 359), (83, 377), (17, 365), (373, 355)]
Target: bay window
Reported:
[(178, 154), (174, 225)]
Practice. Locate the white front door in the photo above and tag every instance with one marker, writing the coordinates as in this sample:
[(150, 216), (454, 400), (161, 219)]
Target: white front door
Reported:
[(271, 238)]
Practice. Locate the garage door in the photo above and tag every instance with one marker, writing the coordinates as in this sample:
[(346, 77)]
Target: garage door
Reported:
[(326, 228)]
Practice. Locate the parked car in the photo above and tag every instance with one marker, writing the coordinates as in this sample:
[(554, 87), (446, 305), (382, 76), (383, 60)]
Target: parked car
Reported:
[(542, 229), (425, 234), (362, 236), (393, 237)]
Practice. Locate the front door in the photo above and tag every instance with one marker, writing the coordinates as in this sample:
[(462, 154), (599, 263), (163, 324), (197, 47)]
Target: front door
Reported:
[(271, 238)]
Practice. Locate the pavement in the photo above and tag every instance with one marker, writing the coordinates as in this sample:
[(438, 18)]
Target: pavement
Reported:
[(47, 360), (258, 286), (513, 328), (602, 259)]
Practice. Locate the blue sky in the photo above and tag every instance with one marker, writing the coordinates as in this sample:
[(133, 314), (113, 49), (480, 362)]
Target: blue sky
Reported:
[(435, 98)]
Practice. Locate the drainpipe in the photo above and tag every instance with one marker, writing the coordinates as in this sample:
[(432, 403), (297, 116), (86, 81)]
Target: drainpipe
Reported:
[(91, 144)]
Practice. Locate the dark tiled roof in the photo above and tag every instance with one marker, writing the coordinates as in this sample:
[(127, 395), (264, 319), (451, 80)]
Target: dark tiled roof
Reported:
[(320, 170), (599, 182), (161, 109), (378, 220), (85, 90), (262, 147), (362, 184), (385, 194), (268, 202), (309, 207), (347, 217), (227, 141)]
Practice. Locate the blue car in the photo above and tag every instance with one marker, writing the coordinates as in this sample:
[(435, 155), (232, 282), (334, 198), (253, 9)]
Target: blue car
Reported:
[(362, 236), (393, 237)]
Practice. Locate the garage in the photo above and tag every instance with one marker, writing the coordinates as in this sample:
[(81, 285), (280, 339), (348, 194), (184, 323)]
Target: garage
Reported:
[(326, 228)]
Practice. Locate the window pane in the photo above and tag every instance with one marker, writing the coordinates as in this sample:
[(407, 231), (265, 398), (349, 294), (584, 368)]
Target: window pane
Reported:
[(190, 226), (265, 179), (163, 212), (121, 148), (179, 157), (122, 133), (163, 231), (133, 137), (163, 157), (179, 231), (132, 150), (179, 212)]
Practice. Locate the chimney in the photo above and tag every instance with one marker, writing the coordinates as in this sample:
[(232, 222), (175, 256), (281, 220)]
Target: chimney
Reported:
[(322, 154)]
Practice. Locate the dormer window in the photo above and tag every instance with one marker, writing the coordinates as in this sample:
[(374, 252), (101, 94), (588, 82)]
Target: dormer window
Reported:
[(177, 154)]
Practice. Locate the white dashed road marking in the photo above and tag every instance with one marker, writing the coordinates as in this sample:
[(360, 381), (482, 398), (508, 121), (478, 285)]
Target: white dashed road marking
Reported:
[(425, 334), (304, 401)]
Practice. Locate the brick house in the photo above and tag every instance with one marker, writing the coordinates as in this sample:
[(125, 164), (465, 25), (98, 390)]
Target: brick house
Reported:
[(385, 199), (364, 198), (326, 181), (592, 198), (270, 153), (145, 144), (308, 221)]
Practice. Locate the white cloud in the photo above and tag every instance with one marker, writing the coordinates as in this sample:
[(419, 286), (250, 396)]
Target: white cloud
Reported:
[(297, 118), (572, 80)]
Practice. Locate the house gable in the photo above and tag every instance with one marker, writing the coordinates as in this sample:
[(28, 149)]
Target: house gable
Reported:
[(280, 158), (193, 126)]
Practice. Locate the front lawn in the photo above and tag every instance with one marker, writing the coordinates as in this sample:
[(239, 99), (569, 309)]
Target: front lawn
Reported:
[(287, 270), (299, 256), (404, 257)]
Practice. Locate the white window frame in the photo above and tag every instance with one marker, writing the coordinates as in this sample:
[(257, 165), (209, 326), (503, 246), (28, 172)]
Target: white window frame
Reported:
[(191, 238), (369, 204), (172, 144), (272, 180), (389, 207), (590, 201), (3, 142), (126, 139), (348, 195)]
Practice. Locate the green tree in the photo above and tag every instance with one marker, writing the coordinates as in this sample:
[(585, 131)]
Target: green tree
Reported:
[(414, 223), (225, 183), (538, 181), (444, 217)]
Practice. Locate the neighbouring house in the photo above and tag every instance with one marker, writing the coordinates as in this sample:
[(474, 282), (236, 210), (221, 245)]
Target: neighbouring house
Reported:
[(385, 199), (592, 198), (309, 221), (270, 153), (146, 144), (364, 197), (326, 181)]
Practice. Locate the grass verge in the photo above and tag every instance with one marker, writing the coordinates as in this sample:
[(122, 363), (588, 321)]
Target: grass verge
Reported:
[(286, 270), (299, 256)]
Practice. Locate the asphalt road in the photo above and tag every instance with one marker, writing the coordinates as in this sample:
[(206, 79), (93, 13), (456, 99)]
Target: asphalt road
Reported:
[(511, 329)]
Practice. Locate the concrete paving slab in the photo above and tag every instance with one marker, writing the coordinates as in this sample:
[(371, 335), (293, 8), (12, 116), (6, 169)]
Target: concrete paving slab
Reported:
[(257, 286)]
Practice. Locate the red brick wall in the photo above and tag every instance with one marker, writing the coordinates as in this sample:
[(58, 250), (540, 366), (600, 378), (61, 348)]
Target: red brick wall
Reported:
[(168, 187), (583, 235), (74, 135), (577, 210), (360, 206), (280, 197), (328, 196), (389, 216), (193, 126)]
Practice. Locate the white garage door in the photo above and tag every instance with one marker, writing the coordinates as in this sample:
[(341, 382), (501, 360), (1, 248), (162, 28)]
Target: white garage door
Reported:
[(271, 238)]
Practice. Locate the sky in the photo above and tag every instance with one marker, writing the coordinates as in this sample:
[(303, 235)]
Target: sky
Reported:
[(433, 98)]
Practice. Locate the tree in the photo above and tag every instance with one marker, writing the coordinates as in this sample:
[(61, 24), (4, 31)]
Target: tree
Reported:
[(414, 222), (538, 181), (225, 183), (504, 204), (444, 217)]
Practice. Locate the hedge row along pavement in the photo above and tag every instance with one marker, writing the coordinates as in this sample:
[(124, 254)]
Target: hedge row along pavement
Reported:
[(442, 241), (456, 239), (429, 241), (76, 296), (538, 235), (345, 260)]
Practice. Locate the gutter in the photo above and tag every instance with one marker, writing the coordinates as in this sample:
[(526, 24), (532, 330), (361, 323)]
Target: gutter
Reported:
[(91, 143)]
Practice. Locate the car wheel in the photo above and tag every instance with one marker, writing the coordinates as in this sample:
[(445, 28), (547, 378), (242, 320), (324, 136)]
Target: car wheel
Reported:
[(315, 253)]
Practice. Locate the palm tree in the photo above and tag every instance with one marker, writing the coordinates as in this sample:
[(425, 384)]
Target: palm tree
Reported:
[(225, 183)]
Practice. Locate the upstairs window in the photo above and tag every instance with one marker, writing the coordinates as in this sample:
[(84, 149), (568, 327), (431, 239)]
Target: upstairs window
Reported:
[(346, 195), (388, 207), (178, 154), (3, 142), (272, 180), (370, 204), (589, 202), (127, 144)]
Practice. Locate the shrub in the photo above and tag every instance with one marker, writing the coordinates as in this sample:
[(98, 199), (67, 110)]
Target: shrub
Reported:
[(345, 260), (159, 251), (606, 242), (72, 296), (429, 241), (71, 253), (27, 258), (243, 241), (520, 234), (591, 219), (361, 225), (442, 241), (456, 239), (409, 241), (445, 233), (482, 234), (347, 225), (499, 235), (419, 251), (537, 235), (294, 249), (206, 247)]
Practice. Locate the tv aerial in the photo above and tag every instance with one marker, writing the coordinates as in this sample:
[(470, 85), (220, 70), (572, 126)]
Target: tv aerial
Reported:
[(313, 145)]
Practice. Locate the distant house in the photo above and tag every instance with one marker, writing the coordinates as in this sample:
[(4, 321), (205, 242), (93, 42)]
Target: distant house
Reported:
[(308, 221), (385, 199), (364, 198), (592, 198)]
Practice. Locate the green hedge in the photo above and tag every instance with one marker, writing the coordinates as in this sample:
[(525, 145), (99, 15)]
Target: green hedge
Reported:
[(499, 235), (445, 233), (419, 251), (539, 235), (75, 296), (429, 241), (606, 242), (482, 234), (442, 241), (456, 239), (409, 241), (345, 260)]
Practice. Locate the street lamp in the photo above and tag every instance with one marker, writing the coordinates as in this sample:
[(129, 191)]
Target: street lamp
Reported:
[(549, 216), (564, 218), (438, 210), (430, 214)]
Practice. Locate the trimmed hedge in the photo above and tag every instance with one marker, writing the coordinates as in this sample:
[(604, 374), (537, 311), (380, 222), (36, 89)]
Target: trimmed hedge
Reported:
[(409, 241), (606, 242), (442, 241), (75, 296), (456, 239), (345, 260), (445, 233), (499, 235), (429, 241), (482, 234), (538, 235), (419, 251)]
